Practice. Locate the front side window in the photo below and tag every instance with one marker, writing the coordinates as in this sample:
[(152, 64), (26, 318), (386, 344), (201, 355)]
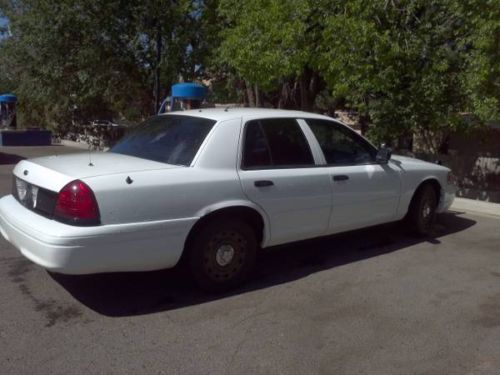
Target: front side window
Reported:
[(167, 139), (341, 146), (275, 143)]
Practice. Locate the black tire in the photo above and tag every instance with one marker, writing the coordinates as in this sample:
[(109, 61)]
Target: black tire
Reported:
[(222, 254), (422, 212)]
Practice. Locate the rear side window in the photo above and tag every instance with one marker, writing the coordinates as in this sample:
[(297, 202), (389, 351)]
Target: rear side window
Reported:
[(167, 139), (275, 143), (340, 145)]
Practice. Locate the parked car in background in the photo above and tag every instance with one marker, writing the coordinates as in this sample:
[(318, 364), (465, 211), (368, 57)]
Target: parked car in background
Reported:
[(213, 187)]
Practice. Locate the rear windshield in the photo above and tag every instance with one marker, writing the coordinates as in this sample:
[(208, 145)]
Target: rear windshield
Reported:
[(168, 139)]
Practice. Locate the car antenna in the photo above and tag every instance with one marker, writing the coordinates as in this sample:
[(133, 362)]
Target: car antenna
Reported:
[(227, 108), (90, 156)]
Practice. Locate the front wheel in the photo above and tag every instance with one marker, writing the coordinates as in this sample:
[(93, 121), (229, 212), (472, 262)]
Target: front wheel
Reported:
[(222, 254), (422, 213)]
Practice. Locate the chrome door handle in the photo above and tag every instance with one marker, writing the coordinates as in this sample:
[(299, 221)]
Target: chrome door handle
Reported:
[(263, 183), (340, 177)]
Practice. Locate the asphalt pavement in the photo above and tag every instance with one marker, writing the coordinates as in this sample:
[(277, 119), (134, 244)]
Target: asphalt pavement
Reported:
[(375, 301)]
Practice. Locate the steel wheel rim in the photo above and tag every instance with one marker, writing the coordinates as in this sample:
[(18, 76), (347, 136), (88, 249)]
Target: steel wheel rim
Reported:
[(225, 255), (427, 210)]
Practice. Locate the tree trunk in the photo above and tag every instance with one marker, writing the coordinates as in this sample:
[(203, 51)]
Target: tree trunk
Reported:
[(363, 124), (305, 104), (257, 96), (250, 94), (157, 72), (284, 95), (309, 87), (364, 118)]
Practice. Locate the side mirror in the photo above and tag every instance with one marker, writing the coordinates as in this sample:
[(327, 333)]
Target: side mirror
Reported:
[(384, 154)]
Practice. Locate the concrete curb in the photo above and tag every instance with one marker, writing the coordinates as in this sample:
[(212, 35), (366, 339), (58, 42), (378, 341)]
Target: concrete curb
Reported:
[(473, 206)]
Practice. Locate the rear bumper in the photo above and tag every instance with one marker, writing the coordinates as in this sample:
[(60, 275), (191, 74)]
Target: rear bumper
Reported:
[(81, 250)]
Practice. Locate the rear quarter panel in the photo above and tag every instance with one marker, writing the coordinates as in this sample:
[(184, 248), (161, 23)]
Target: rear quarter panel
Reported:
[(162, 195), (211, 182)]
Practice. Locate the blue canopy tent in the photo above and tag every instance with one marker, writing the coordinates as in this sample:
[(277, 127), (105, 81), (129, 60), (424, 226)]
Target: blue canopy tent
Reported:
[(9, 135), (8, 98), (185, 95)]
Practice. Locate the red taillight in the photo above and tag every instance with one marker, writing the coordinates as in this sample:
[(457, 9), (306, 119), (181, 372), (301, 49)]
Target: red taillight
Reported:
[(76, 205)]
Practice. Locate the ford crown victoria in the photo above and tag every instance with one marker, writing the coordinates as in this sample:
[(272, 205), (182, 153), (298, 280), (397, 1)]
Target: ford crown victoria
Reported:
[(213, 187)]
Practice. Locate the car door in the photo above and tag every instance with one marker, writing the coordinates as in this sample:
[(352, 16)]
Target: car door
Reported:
[(278, 172), (365, 192)]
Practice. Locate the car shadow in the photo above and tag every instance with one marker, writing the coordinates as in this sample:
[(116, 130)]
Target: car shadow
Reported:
[(6, 159), (127, 294)]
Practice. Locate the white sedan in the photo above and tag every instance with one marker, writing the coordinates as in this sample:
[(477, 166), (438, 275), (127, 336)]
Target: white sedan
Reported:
[(213, 186)]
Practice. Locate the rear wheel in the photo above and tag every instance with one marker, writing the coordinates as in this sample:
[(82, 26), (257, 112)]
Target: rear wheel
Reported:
[(422, 213), (222, 254)]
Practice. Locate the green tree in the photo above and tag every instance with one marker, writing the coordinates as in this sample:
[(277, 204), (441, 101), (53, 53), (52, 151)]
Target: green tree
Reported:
[(76, 60), (404, 65), (270, 45), (411, 65), (482, 78)]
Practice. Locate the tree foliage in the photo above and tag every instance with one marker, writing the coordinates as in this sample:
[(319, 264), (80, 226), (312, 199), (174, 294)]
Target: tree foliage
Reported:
[(74, 60), (404, 65), (271, 44), (482, 78)]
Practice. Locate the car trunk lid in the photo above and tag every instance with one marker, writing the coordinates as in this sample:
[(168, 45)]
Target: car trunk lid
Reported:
[(37, 182), (54, 172)]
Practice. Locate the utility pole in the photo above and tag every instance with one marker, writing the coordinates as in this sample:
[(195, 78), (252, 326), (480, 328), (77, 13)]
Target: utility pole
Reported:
[(158, 62)]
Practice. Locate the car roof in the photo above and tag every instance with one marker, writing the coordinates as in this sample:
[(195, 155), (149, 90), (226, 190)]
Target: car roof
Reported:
[(222, 114)]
